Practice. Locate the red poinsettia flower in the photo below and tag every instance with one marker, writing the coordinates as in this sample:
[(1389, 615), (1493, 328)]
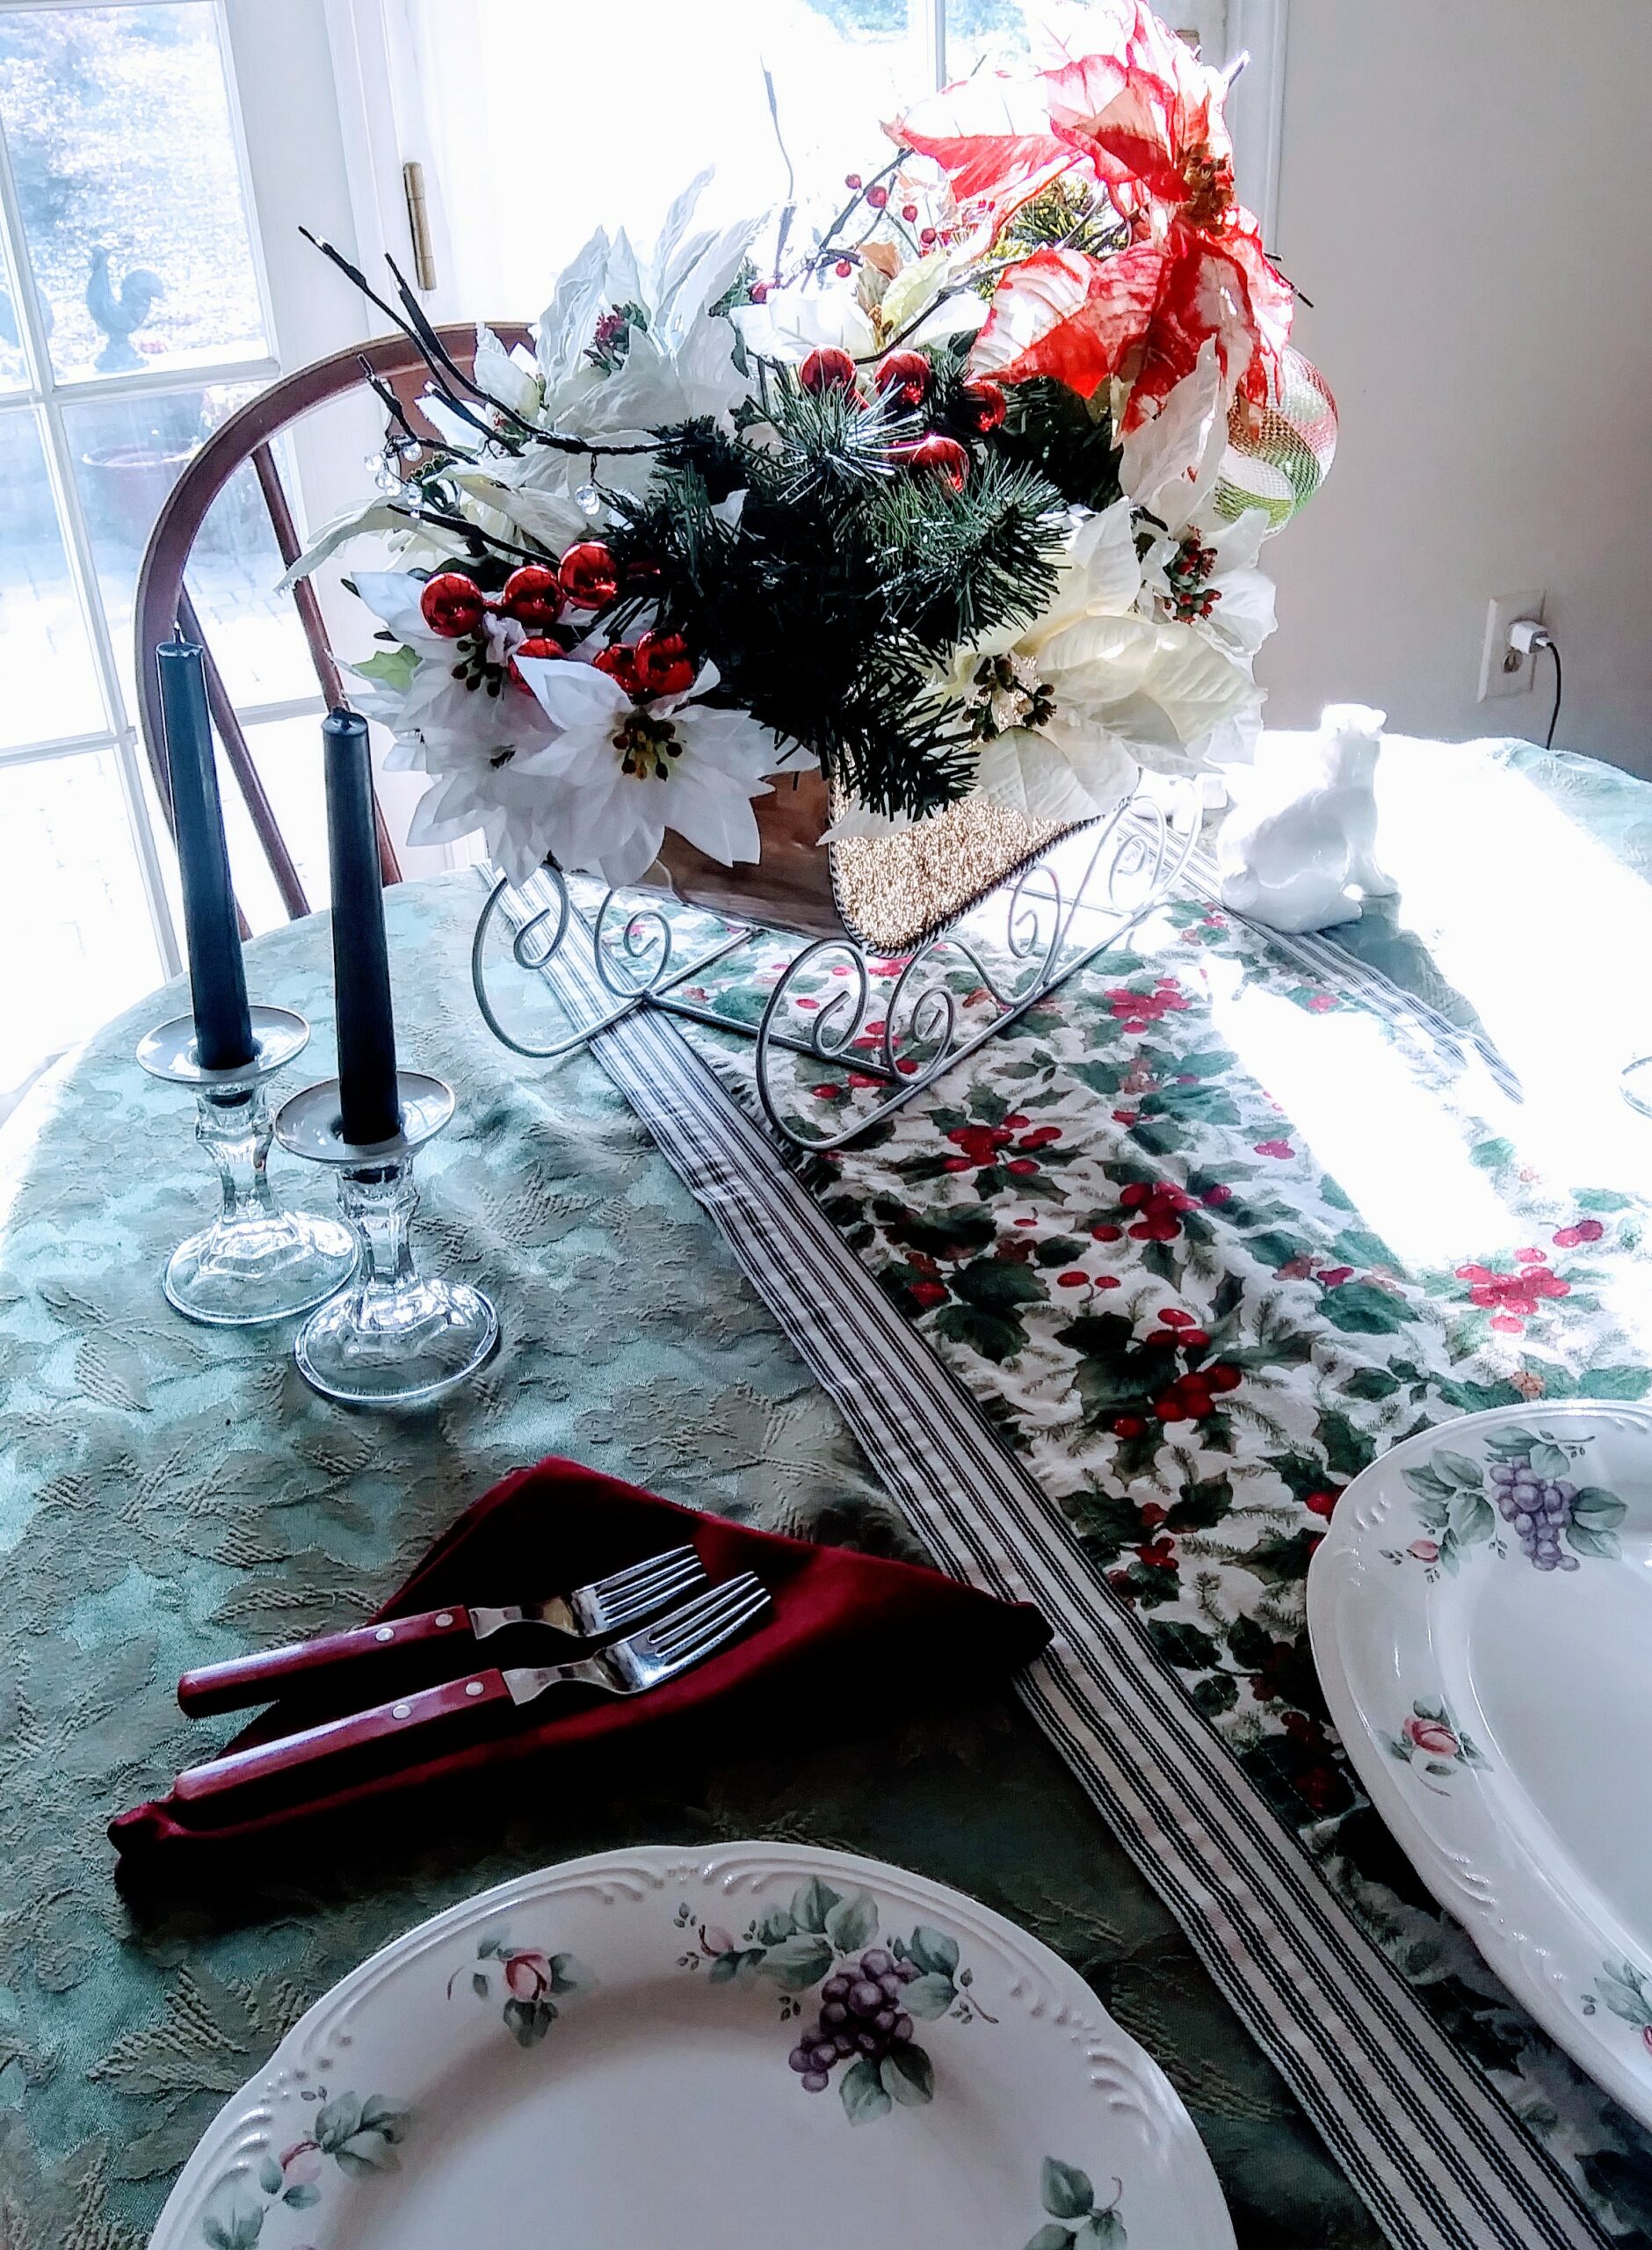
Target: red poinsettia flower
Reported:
[(1137, 118)]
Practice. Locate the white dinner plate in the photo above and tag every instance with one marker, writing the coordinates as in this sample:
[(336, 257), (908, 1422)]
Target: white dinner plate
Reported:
[(631, 2050), (1481, 1612)]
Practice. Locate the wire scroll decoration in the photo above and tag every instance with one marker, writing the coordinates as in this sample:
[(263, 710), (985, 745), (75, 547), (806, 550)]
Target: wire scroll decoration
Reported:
[(894, 1027)]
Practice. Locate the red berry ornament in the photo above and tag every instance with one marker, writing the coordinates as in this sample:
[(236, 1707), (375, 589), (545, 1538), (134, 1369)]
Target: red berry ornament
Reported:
[(535, 645), (877, 197), (937, 455), (533, 596), (842, 268), (852, 179), (759, 291), (664, 665), (618, 660), (827, 370), (906, 373), (908, 211), (451, 604), (980, 407), (589, 575)]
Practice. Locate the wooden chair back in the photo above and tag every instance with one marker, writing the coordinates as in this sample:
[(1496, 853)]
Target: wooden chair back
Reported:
[(164, 600)]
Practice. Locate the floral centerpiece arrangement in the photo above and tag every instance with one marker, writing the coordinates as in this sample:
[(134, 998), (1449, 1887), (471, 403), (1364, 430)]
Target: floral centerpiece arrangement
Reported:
[(941, 489)]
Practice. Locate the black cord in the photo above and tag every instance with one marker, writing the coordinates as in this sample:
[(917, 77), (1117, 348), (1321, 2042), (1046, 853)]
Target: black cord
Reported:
[(1553, 649)]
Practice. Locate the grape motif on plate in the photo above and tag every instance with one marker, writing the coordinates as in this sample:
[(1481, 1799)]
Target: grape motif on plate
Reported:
[(1529, 1496), (873, 1992)]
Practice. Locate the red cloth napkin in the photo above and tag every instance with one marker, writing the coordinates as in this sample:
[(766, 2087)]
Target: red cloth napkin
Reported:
[(835, 1615)]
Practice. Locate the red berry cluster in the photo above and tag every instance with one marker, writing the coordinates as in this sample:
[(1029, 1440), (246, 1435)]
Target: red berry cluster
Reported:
[(1158, 1210)]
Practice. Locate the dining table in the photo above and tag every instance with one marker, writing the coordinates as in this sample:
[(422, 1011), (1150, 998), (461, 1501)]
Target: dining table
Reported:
[(1384, 1173)]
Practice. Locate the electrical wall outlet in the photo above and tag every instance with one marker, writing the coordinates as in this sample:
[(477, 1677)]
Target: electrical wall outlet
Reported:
[(1503, 671)]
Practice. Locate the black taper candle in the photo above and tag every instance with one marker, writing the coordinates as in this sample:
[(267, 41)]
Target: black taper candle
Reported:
[(368, 1108), (217, 981)]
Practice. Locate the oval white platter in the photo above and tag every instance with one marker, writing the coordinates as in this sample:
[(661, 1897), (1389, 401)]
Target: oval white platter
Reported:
[(626, 2049), (1481, 1612)]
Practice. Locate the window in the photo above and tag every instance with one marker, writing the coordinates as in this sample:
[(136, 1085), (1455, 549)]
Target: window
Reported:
[(134, 315), (631, 98)]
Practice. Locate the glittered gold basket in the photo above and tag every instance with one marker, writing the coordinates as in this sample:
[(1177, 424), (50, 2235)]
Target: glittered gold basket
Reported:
[(887, 893)]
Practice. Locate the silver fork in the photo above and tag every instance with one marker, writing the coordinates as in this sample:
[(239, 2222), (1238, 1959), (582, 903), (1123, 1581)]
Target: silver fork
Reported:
[(686, 1637), (607, 1605)]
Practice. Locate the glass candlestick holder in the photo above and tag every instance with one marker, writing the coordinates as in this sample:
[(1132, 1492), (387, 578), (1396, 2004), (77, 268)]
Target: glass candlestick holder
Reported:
[(256, 1262), (391, 1337)]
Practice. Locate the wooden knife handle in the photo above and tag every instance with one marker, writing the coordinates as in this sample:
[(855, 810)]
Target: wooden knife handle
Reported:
[(268, 1761), (245, 1680)]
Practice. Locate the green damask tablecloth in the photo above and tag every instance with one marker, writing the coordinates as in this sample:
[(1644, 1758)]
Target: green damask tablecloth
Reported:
[(169, 1495)]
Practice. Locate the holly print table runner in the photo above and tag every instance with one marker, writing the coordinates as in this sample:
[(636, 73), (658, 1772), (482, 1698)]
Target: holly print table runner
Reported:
[(1199, 1236)]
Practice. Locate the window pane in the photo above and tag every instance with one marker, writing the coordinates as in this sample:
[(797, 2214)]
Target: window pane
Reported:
[(51, 688), (118, 122), (128, 453), (71, 906), (989, 34), (686, 76)]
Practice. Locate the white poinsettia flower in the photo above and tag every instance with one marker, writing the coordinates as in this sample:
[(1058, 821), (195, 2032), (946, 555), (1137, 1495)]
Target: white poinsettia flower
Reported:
[(1064, 709), (626, 347), (473, 743), (1206, 575), (619, 773), (817, 312)]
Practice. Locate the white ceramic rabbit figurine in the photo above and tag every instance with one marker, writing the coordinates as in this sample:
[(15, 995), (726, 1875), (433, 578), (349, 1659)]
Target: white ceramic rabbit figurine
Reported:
[(1302, 830)]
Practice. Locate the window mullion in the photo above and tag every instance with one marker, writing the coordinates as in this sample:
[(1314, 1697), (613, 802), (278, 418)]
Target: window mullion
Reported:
[(932, 32)]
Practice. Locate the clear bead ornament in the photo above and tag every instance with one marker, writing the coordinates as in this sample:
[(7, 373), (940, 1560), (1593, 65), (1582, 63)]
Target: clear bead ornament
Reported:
[(256, 1262), (393, 1337)]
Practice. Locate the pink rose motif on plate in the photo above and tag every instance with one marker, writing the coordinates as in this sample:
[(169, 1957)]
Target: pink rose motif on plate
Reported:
[(1431, 1735), (537, 1984), (1433, 1745)]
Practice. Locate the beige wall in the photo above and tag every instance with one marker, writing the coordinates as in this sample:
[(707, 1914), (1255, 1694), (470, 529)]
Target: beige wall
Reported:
[(1466, 193)]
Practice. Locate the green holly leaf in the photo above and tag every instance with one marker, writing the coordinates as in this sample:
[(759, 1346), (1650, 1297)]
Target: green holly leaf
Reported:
[(1616, 1382), (1062, 1250), (1371, 1384), (1490, 1155), (1361, 1309), (999, 1284), (1215, 1693), (1347, 1450), (1188, 1647), (1201, 1506), (862, 2094), (1064, 2191)]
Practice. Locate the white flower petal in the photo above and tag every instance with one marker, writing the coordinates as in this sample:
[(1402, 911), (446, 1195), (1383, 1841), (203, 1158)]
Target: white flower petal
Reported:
[(574, 695)]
